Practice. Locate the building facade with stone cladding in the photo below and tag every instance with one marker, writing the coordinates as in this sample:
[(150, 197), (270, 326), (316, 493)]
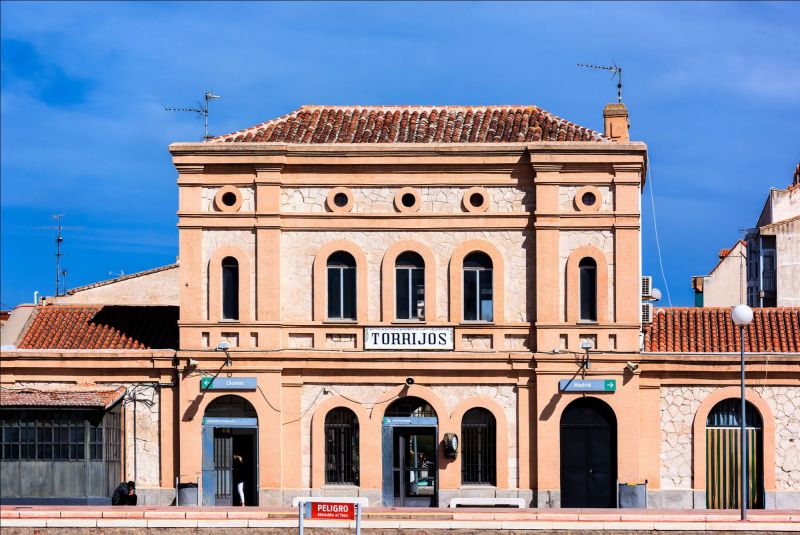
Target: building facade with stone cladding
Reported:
[(534, 193), (550, 196)]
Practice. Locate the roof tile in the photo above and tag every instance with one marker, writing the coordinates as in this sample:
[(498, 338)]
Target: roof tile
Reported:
[(413, 124), (711, 330), (102, 327), (70, 396)]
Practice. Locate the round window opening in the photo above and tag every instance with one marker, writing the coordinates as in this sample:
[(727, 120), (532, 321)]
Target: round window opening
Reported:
[(476, 199), (229, 198), (408, 200), (340, 200), (588, 198)]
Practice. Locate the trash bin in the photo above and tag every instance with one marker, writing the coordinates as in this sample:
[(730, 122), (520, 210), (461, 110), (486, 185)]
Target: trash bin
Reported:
[(187, 494), (632, 495)]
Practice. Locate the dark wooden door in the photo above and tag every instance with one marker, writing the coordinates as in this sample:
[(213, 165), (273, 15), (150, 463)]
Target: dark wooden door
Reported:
[(588, 455)]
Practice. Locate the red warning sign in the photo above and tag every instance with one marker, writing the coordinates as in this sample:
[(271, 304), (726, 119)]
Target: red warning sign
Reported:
[(332, 510)]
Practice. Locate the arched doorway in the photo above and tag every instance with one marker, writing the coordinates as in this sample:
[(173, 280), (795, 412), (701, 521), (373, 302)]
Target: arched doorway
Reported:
[(410, 434), (723, 455), (588, 454), (230, 452)]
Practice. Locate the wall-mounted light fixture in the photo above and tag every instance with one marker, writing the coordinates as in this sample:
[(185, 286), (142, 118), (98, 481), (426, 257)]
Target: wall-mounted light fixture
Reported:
[(224, 345), (586, 345)]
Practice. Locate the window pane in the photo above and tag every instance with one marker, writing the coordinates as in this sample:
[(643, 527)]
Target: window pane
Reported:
[(403, 307), (418, 288), (230, 292), (349, 293), (486, 295), (588, 288), (334, 293), (470, 295)]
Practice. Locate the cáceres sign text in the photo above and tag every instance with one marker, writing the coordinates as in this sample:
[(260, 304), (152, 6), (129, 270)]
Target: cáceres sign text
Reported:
[(228, 383), (409, 338)]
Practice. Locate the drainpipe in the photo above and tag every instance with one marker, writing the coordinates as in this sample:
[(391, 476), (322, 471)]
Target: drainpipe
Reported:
[(134, 436)]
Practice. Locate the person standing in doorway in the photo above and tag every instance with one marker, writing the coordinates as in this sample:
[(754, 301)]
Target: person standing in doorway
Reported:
[(238, 477)]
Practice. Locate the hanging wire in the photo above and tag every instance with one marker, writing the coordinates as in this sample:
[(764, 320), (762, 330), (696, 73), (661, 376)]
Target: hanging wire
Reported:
[(655, 227)]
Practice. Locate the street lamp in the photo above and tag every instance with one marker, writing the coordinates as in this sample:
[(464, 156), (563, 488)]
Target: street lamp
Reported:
[(742, 316)]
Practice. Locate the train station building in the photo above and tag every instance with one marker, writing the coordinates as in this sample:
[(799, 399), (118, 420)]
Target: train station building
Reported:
[(415, 305)]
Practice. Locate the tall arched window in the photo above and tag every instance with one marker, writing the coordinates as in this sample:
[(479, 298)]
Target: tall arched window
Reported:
[(410, 287), (230, 288), (341, 286), (341, 447), (478, 294), (478, 448), (587, 269), (723, 455)]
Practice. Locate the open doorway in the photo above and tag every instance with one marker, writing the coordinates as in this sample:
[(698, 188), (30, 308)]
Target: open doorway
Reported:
[(230, 453)]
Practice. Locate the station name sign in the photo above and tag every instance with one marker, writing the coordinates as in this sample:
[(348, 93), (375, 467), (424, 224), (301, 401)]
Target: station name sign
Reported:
[(409, 338), (587, 385), (228, 383)]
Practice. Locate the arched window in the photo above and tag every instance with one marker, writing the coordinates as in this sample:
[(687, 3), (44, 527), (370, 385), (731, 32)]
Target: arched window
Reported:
[(478, 448), (723, 454), (477, 294), (587, 269), (410, 287), (341, 447), (230, 288), (341, 286)]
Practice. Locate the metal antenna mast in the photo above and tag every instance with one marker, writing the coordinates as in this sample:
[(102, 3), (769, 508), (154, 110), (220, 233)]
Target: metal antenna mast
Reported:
[(59, 240), (202, 109), (615, 71)]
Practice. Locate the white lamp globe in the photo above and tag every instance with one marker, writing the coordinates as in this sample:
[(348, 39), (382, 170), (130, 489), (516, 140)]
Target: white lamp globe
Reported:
[(742, 315)]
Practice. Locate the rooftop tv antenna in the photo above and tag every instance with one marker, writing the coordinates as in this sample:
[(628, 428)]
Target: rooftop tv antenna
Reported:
[(61, 275), (201, 109), (615, 69)]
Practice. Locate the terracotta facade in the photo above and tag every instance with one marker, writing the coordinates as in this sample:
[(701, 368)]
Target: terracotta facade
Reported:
[(544, 208)]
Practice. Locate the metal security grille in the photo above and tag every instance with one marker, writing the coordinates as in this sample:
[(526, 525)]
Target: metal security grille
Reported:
[(478, 450), (341, 447), (724, 457)]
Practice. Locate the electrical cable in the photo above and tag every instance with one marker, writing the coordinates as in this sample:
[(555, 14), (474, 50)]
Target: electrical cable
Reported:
[(655, 228)]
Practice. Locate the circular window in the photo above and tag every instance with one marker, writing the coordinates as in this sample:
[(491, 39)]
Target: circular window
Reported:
[(407, 200), (588, 199), (476, 199), (340, 200), (228, 199)]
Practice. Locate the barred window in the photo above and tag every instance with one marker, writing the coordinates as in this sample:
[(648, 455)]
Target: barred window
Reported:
[(341, 447), (478, 447), (44, 435)]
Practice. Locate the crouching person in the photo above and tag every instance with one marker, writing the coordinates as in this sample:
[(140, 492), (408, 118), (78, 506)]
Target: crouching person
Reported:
[(125, 494)]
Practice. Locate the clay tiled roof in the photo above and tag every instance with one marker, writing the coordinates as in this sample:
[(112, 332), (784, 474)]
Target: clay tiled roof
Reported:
[(711, 330), (122, 278), (102, 327), (70, 396), (414, 124)]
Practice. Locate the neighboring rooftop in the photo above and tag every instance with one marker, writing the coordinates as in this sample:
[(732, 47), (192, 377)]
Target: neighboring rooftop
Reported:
[(82, 396), (414, 124), (711, 330), (101, 327)]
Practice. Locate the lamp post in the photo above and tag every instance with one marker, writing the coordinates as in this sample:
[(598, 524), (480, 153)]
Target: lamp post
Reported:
[(742, 316)]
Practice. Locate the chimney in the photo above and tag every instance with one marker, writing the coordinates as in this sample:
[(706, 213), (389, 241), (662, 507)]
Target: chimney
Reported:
[(616, 122)]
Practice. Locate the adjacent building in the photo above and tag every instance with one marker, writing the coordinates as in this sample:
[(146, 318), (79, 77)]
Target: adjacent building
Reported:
[(725, 285), (773, 268), (411, 305)]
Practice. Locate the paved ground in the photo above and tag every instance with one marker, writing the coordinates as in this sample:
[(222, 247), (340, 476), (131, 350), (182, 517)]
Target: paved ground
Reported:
[(86, 519)]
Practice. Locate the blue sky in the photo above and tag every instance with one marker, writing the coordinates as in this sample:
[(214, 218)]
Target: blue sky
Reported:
[(713, 89)]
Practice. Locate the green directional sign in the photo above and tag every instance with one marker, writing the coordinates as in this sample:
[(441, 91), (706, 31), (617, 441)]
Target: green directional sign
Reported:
[(228, 383), (587, 385)]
